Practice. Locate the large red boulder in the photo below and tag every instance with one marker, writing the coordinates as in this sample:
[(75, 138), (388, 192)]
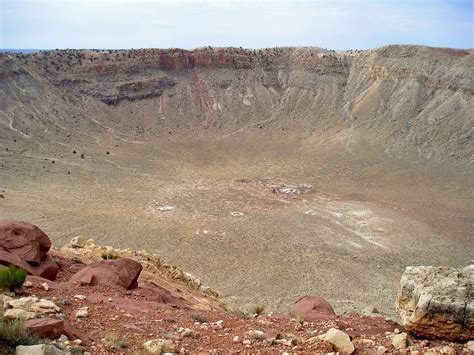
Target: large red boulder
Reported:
[(45, 327), (26, 246), (25, 240), (313, 308), (122, 272)]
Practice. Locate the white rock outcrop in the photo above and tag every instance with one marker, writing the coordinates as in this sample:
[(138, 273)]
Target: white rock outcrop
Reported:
[(437, 302)]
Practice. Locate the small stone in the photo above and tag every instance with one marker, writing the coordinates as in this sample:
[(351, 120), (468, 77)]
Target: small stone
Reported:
[(158, 346), (28, 284), (246, 342), (424, 343), (6, 300), (257, 335), (470, 345), (109, 299), (17, 313), (64, 301), (366, 342), (382, 349), (45, 306), (340, 340), (217, 325), (186, 332), (236, 339), (79, 242), (45, 286), (82, 312), (40, 349), (63, 337), (448, 350), (400, 341), (80, 297)]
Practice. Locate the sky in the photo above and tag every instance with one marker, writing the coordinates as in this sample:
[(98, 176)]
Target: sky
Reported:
[(332, 24)]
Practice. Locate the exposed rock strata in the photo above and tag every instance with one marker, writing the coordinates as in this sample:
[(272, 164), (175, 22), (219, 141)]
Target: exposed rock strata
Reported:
[(437, 302)]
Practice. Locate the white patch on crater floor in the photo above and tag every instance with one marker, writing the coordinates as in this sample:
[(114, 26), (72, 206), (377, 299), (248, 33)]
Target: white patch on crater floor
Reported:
[(356, 222)]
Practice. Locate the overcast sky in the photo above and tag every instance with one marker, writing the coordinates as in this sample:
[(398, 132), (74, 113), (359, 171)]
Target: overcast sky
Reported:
[(357, 24)]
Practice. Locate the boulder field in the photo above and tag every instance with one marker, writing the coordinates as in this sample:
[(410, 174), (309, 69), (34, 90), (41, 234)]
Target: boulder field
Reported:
[(133, 302)]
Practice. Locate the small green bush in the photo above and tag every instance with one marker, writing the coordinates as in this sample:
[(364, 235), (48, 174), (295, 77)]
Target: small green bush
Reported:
[(12, 277), (109, 256), (13, 333)]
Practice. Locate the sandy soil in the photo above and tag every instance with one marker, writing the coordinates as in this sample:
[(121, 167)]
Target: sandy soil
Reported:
[(348, 239)]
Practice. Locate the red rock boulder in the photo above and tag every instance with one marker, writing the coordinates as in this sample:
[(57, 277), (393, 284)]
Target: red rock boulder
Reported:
[(122, 272), (26, 246), (25, 240), (313, 308), (45, 327)]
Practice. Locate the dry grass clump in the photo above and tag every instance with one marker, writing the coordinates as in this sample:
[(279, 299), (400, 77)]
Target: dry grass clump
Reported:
[(13, 333)]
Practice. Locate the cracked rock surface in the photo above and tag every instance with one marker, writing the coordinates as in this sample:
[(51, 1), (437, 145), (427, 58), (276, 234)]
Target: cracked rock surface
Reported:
[(437, 302)]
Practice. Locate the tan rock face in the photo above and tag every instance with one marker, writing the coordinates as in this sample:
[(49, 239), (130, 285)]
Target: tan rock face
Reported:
[(340, 340), (437, 302)]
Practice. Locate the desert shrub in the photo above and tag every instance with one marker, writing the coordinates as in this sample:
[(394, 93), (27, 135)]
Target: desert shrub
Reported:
[(112, 341), (199, 318), (109, 256), (13, 333), (299, 319), (258, 310), (12, 277)]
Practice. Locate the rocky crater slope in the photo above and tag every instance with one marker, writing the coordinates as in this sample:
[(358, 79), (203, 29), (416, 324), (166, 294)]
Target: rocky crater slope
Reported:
[(104, 300), (408, 97)]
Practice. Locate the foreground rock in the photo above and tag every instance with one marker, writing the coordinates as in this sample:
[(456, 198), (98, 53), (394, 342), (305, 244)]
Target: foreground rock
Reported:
[(26, 246), (437, 302), (25, 240), (45, 327), (122, 272), (339, 340), (158, 346), (313, 308), (40, 349), (168, 313)]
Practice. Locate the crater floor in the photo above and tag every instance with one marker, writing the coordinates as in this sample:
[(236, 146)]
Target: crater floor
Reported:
[(221, 211)]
